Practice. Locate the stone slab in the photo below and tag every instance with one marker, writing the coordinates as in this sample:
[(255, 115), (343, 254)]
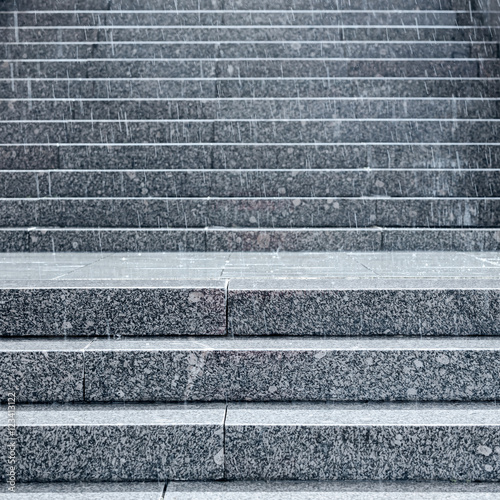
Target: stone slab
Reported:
[(84, 491), (117, 442), (369, 441), (43, 370), (250, 183), (130, 307), (293, 369), (364, 306), (330, 490)]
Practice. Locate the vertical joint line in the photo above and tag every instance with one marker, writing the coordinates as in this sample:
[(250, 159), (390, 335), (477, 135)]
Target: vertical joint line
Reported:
[(164, 492), (224, 443), (227, 305)]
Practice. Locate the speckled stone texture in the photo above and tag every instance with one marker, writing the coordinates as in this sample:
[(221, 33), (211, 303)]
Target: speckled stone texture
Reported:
[(338, 490), (248, 239), (293, 369), (42, 370), (117, 443), (84, 491), (364, 307), (113, 308), (363, 442)]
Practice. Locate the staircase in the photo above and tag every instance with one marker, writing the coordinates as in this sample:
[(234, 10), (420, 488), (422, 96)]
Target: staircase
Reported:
[(250, 249), (221, 125)]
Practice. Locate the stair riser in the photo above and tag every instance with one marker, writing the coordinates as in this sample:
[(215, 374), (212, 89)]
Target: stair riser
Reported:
[(250, 89), (247, 212), (362, 312), (123, 240), (248, 109), (146, 452), (252, 69), (251, 50), (259, 17), (234, 5), (46, 376), (248, 132), (291, 376), (114, 310), (270, 452), (184, 374), (212, 156), (81, 33), (299, 183)]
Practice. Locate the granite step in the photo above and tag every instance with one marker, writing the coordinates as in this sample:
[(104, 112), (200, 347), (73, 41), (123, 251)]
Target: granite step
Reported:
[(97, 443), (250, 369), (275, 17), (266, 441), (204, 31), (362, 442), (352, 156), (232, 5), (250, 68), (33, 109), (248, 50), (249, 183), (43, 239), (43, 307), (328, 131), (94, 491), (362, 306), (282, 212), (256, 490), (314, 294), (139, 89), (329, 490)]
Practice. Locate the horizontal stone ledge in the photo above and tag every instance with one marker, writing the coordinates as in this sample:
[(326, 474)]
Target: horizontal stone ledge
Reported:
[(256, 68), (249, 156), (249, 183), (195, 89), (251, 369), (86, 491), (248, 50), (329, 490), (253, 109), (350, 442), (268, 213), (200, 442), (202, 30), (363, 306), (246, 239), (256, 490), (137, 307), (117, 443)]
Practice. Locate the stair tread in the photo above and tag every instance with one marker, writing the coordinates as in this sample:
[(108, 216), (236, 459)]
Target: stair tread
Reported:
[(86, 491)]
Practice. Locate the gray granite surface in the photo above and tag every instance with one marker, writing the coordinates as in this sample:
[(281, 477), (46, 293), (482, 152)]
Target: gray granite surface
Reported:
[(334, 490), (363, 306), (247, 239), (249, 183), (281, 212), (45, 370), (117, 442), (362, 442), (112, 307), (251, 369), (285, 369), (85, 491), (273, 293)]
